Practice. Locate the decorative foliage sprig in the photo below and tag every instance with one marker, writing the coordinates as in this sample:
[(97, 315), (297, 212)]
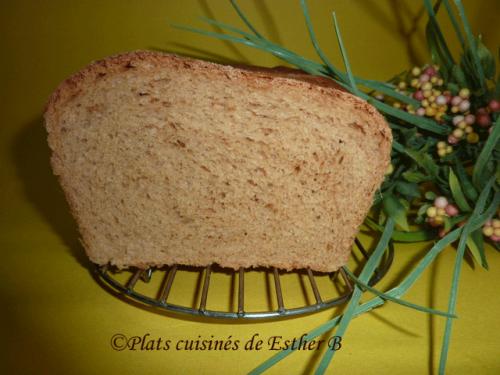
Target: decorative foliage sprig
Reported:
[(444, 176)]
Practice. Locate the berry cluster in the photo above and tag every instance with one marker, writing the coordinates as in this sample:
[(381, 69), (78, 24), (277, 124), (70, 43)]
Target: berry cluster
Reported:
[(463, 127), (426, 86), (447, 104), (439, 103), (438, 211), (491, 229)]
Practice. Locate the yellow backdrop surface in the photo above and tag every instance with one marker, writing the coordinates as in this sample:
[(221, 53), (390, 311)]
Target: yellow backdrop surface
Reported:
[(57, 319)]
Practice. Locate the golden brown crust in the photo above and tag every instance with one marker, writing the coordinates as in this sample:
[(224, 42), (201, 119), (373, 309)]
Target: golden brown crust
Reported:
[(281, 75)]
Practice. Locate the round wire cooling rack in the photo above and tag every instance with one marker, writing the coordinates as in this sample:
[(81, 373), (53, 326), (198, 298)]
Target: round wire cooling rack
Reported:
[(128, 284)]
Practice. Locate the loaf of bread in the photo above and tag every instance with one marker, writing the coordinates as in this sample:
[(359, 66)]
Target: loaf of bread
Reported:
[(169, 160)]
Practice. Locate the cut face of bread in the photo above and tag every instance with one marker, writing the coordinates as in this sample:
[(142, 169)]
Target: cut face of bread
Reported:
[(169, 160)]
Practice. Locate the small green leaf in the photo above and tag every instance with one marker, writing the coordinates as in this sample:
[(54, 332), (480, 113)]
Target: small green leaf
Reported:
[(477, 237), (423, 208), (415, 176), (409, 189), (425, 161), (459, 76), (486, 58), (394, 209), (463, 177), (447, 224), (456, 191), (474, 250), (453, 87), (430, 195)]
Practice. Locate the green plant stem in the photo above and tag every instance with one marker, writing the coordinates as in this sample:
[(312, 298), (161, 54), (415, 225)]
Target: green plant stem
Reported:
[(467, 230), (343, 51), (365, 275), (455, 24), (398, 291), (399, 301), (472, 43)]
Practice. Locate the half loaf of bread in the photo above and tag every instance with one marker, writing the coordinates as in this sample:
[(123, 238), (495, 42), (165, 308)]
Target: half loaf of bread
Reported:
[(170, 160)]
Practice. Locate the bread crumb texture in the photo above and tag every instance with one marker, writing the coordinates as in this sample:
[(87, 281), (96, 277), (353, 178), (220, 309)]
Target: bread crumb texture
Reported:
[(169, 160)]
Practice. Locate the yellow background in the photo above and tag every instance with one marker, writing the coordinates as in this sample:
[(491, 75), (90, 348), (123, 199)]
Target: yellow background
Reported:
[(57, 319)]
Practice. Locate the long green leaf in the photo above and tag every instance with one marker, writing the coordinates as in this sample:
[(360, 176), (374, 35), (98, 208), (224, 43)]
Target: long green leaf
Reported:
[(396, 299), (372, 84), (471, 42), (454, 22), (314, 41), (398, 291), (343, 51), (244, 18), (318, 69), (365, 275), (259, 43), (434, 32), (492, 142), (418, 121), (467, 230), (398, 236), (388, 90), (304, 64)]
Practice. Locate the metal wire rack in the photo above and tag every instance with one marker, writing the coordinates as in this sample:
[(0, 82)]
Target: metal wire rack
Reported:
[(159, 298)]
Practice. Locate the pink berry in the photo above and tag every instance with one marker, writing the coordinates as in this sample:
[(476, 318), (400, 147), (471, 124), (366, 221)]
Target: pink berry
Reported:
[(494, 105), (430, 71), (421, 111), (424, 78), (452, 140), (451, 210), (441, 202), (495, 238), (481, 111), (470, 119), (419, 95), (456, 100), (464, 106), (483, 120)]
